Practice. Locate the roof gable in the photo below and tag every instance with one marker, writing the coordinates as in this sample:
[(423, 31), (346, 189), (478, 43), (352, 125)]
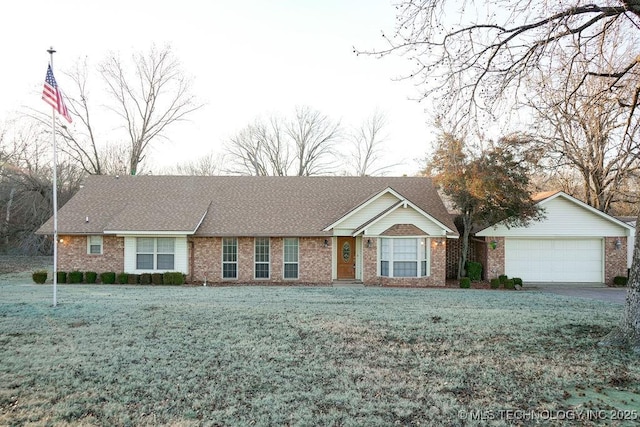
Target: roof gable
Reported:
[(392, 215), (564, 216)]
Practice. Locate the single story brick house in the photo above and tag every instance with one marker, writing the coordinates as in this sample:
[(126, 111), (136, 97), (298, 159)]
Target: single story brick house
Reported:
[(258, 230), (574, 243)]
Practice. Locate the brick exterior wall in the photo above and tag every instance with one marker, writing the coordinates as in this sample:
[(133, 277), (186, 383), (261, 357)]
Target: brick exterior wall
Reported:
[(205, 261), (615, 260), (476, 252), (314, 261), (493, 258), (72, 255), (403, 230)]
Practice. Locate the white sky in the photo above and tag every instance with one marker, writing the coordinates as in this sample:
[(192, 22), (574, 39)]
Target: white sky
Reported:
[(246, 58)]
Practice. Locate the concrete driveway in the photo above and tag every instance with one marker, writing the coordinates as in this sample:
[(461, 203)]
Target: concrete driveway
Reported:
[(579, 290)]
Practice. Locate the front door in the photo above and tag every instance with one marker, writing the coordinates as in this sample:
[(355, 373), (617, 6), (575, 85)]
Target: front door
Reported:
[(346, 258)]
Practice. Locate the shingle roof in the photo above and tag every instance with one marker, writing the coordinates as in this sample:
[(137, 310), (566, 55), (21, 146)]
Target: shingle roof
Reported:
[(538, 197), (230, 205)]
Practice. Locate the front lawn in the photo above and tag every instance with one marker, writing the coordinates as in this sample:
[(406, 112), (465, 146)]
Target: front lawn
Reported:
[(133, 355)]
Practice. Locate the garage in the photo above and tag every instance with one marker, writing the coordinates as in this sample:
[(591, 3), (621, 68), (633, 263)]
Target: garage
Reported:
[(555, 260), (572, 243)]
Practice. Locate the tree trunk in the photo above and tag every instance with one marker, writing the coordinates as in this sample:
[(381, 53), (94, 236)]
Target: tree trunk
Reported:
[(627, 334), (466, 229), (7, 218)]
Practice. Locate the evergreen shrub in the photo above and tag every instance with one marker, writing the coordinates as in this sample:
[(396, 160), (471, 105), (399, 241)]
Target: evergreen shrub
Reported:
[(39, 277)]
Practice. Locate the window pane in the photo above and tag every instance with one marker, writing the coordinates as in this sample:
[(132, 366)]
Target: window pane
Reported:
[(423, 271), (405, 269), (229, 250), (385, 249), (291, 271), (290, 250), (165, 262), (262, 249), (405, 250), (384, 268), (144, 245), (229, 271), (144, 262), (262, 271), (166, 245), (95, 244)]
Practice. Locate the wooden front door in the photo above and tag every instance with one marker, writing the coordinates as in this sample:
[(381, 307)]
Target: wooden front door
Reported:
[(346, 258)]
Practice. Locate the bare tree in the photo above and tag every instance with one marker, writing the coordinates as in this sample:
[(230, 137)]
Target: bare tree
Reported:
[(147, 98), (478, 61), (300, 146), (366, 156), (249, 149), (313, 135), (207, 165), (26, 189), (476, 55), (587, 137), (585, 133), (81, 141), (157, 95)]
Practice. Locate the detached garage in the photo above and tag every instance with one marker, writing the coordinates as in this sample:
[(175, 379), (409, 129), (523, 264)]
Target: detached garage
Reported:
[(574, 243)]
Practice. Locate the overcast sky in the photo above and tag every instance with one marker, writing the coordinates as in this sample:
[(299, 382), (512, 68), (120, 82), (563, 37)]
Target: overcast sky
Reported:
[(246, 58)]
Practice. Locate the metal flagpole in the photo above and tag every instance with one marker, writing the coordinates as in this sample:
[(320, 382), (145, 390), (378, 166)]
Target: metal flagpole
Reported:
[(55, 194)]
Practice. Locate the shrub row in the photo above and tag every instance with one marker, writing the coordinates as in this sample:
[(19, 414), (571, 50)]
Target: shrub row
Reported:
[(502, 280), (110, 277), (507, 283)]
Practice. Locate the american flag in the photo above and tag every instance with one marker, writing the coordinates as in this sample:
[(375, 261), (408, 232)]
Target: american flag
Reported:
[(51, 95)]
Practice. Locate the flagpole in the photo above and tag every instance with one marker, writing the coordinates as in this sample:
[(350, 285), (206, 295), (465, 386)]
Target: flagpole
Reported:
[(51, 51)]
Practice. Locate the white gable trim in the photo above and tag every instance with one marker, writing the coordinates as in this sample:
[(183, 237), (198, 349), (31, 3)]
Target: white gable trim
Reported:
[(363, 205), (404, 204), (498, 228), (586, 206)]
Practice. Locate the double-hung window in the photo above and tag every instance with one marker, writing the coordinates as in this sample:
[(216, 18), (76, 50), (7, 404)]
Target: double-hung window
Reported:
[(291, 247), (165, 253), (94, 245), (155, 253), (229, 258), (261, 258), (404, 257)]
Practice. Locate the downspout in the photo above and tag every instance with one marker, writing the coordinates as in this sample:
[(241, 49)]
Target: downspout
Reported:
[(191, 258)]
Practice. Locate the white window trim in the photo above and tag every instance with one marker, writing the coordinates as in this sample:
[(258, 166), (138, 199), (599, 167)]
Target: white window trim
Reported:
[(284, 263), (223, 262), (89, 244), (155, 254), (424, 254), (255, 262)]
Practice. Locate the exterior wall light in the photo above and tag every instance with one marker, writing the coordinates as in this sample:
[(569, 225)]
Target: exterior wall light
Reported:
[(368, 243), (618, 244), (326, 243), (493, 244)]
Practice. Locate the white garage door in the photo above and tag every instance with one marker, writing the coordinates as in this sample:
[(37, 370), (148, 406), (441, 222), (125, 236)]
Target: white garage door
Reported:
[(554, 260)]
